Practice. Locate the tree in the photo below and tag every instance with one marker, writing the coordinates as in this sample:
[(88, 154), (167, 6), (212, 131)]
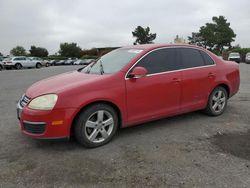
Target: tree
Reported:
[(38, 51), (18, 51), (214, 36), (1, 54), (143, 36), (70, 50)]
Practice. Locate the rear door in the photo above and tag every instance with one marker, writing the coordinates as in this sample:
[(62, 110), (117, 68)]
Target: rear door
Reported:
[(198, 75), (158, 93)]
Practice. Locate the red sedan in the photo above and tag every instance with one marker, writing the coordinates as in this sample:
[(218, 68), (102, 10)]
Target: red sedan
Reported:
[(125, 87)]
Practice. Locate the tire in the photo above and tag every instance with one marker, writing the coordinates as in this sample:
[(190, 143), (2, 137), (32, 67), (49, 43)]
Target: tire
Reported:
[(90, 129), (1, 68), (18, 66), (47, 64), (217, 102), (38, 65)]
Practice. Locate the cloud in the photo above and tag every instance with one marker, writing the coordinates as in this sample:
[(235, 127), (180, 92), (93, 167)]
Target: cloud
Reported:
[(96, 23)]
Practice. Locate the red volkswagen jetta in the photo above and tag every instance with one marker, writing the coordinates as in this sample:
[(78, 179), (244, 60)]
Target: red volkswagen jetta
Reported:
[(125, 87)]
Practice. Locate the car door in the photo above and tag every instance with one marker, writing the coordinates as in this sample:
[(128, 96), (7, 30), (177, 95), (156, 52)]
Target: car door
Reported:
[(198, 75), (158, 93), (24, 62), (31, 62)]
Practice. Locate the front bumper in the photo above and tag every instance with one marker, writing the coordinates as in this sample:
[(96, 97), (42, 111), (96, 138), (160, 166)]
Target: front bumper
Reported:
[(235, 59), (43, 124)]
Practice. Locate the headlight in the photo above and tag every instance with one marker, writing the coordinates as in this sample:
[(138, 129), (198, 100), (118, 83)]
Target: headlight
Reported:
[(45, 102)]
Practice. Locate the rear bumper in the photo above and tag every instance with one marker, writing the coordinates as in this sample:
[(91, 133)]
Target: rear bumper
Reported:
[(8, 65), (45, 124)]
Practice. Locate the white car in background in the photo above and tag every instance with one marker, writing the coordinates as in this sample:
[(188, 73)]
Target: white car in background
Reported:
[(234, 56), (1, 65), (248, 57), (18, 62), (83, 61), (40, 60)]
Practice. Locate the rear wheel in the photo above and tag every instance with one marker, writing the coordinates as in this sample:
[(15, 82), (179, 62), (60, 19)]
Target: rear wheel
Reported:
[(1, 68), (96, 125), (217, 102), (38, 65), (18, 66)]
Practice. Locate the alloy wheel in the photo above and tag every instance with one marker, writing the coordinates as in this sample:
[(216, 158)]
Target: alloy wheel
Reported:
[(218, 101), (99, 126)]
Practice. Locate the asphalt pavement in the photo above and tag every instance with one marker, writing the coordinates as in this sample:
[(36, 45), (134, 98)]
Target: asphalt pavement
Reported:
[(190, 150)]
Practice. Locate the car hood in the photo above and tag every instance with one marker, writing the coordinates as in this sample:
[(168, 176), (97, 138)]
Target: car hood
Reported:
[(60, 83)]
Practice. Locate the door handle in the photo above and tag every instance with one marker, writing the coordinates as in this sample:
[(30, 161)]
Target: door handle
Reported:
[(211, 75), (176, 80)]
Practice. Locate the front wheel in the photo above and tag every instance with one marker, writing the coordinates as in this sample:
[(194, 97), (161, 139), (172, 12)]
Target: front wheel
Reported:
[(96, 125), (217, 102)]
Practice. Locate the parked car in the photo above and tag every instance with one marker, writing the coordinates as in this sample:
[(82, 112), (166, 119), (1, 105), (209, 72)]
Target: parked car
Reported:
[(69, 62), (40, 60), (61, 62), (83, 61), (1, 65), (125, 87), (79, 62), (234, 56), (248, 58), (19, 62), (52, 62)]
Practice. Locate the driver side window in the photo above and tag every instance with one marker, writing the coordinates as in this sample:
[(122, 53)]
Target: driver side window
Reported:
[(158, 61)]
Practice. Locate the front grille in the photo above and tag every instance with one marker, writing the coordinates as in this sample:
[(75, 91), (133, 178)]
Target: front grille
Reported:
[(24, 101), (34, 127)]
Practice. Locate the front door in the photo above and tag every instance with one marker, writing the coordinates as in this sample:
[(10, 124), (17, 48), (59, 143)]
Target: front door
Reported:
[(158, 93)]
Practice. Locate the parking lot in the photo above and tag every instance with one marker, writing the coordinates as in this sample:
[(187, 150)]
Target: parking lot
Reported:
[(191, 150)]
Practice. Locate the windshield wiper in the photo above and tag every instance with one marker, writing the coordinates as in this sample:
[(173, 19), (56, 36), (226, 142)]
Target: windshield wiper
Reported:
[(101, 67)]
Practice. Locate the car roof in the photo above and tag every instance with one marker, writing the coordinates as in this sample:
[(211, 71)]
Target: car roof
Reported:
[(155, 46)]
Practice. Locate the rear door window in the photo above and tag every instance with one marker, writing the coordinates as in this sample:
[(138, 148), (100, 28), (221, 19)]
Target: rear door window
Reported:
[(208, 60), (190, 58)]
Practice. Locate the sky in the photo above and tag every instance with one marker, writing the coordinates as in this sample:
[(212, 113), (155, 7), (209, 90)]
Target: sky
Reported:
[(109, 23)]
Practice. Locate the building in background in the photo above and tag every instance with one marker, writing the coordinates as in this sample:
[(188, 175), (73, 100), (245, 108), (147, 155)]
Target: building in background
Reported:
[(179, 40)]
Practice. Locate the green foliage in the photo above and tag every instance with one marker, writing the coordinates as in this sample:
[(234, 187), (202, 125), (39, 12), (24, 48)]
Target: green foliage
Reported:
[(38, 51), (90, 52), (143, 35), (215, 35), (18, 51), (89, 57), (70, 50)]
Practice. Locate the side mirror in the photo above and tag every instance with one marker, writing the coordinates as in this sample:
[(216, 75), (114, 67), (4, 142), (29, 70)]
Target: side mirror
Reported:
[(138, 72)]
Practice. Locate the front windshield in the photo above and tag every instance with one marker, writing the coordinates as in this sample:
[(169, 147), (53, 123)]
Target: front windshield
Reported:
[(113, 61)]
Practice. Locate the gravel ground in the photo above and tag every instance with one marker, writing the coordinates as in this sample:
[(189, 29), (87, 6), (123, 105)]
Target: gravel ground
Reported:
[(191, 150)]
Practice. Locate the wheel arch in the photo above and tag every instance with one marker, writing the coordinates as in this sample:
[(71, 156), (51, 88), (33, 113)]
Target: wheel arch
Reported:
[(225, 86), (114, 106)]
